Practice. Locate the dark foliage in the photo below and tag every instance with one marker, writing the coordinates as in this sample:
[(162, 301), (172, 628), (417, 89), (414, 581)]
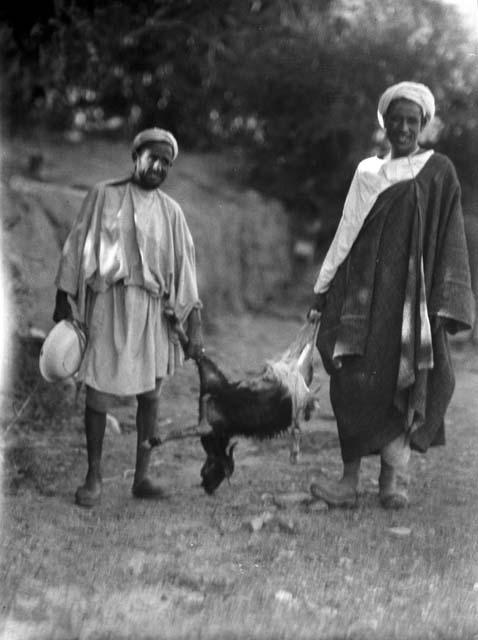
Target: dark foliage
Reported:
[(293, 84)]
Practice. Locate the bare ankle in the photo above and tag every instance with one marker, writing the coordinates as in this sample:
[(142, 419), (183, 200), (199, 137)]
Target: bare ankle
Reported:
[(93, 478)]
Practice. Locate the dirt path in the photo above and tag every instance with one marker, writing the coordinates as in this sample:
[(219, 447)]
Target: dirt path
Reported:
[(192, 566), (241, 563)]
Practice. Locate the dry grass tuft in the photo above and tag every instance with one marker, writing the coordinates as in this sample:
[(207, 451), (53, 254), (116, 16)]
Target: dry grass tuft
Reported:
[(192, 567)]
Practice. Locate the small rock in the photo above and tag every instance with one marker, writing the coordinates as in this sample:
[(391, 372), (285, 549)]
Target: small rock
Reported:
[(361, 628), (284, 500), (285, 554), (475, 587), (256, 523), (26, 602), (136, 563), (35, 332), (259, 521), (285, 525), (195, 599), (112, 425), (68, 385), (254, 540), (345, 562), (399, 532), (317, 506), (284, 596), (324, 611), (73, 136)]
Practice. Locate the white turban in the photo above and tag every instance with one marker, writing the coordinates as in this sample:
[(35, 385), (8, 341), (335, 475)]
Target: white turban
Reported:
[(156, 135), (414, 91)]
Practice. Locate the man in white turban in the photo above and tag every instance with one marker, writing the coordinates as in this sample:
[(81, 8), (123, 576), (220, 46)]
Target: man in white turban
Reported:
[(412, 91), (394, 282), (129, 251)]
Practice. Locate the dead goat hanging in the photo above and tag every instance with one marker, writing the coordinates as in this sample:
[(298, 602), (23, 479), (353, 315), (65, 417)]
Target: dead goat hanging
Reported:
[(264, 406)]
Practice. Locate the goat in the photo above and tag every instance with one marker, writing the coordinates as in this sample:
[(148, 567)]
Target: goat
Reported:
[(262, 407)]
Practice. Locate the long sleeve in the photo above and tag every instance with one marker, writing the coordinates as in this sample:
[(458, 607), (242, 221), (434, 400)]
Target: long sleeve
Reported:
[(349, 227), (451, 295), (185, 280), (72, 259)]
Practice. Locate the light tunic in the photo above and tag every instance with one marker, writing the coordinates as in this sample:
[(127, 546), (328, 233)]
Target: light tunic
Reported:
[(129, 249)]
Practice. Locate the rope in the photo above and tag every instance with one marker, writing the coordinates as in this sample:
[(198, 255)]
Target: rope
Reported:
[(82, 333), (22, 408)]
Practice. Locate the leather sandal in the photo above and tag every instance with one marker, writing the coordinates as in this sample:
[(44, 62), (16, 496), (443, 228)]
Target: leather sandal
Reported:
[(335, 494), (85, 497), (392, 493), (396, 500), (147, 489)]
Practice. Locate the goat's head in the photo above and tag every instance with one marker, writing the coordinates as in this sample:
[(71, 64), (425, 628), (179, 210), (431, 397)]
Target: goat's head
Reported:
[(219, 462)]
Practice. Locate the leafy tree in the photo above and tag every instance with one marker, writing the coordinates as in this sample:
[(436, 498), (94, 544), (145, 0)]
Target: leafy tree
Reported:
[(315, 92), (293, 84)]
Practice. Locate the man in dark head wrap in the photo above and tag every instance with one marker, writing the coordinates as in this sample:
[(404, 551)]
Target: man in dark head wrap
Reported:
[(394, 282)]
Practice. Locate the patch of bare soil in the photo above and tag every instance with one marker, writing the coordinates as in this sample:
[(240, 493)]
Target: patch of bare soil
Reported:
[(256, 559)]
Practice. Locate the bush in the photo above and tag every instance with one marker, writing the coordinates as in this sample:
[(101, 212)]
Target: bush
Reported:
[(294, 84)]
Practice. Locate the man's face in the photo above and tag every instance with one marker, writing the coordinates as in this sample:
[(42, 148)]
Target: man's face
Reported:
[(403, 123), (152, 163)]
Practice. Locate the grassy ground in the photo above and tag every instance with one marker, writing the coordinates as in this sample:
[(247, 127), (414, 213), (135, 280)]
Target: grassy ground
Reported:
[(191, 566)]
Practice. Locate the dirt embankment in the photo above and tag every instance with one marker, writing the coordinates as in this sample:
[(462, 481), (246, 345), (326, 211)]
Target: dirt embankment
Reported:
[(242, 240)]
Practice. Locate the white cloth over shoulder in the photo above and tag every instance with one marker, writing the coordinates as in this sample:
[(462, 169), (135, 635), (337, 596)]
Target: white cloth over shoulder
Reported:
[(372, 176)]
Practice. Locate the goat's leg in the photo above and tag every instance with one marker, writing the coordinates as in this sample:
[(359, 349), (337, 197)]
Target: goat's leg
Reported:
[(295, 442), (195, 431), (202, 428), (202, 422)]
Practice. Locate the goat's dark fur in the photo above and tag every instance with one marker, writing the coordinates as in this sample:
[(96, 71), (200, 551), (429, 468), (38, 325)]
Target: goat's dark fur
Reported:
[(262, 410), (236, 409)]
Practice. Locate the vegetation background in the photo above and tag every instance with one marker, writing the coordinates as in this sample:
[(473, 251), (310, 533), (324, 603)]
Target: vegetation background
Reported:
[(290, 85)]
